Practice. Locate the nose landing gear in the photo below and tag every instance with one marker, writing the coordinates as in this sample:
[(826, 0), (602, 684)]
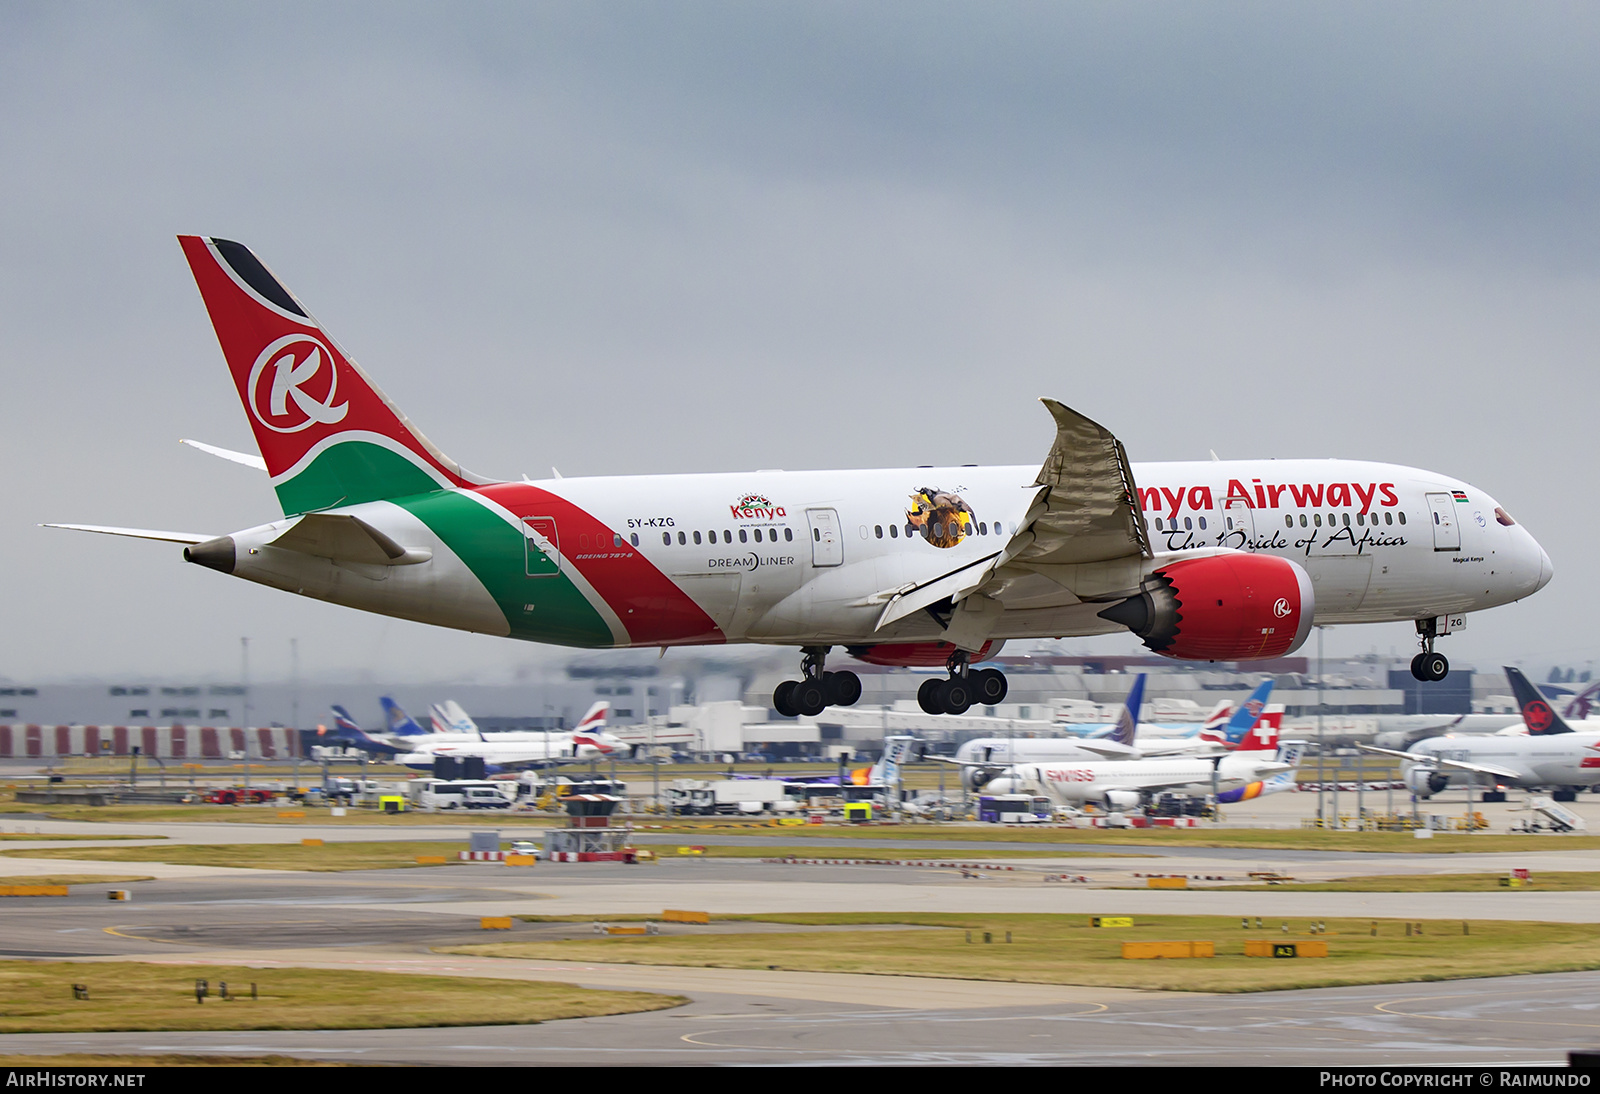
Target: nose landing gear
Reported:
[(964, 688), (816, 690), (1427, 665)]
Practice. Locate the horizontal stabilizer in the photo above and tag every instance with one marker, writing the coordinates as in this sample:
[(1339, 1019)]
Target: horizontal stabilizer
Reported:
[(190, 538), (227, 454), (344, 538)]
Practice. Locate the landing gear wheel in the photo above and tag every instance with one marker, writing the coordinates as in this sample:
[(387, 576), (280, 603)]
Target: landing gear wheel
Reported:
[(1431, 667), (843, 688), (808, 697), (955, 696), (783, 699), (1416, 666), (989, 686), (928, 696)]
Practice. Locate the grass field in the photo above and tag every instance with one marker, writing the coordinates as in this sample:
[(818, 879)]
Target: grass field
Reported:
[(1055, 949), (259, 856), (38, 998), (15, 837), (1550, 881)]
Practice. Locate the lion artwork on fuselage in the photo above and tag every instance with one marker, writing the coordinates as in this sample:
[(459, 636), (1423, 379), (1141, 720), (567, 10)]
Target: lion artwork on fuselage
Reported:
[(942, 517)]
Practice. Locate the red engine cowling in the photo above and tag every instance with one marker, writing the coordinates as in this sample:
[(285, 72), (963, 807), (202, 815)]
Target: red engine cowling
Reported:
[(1233, 607)]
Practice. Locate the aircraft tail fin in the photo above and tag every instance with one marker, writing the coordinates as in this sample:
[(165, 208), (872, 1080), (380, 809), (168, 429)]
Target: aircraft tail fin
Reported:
[(1127, 727), (400, 723), (1263, 736), (595, 719), (896, 751), (347, 732), (1537, 713), (328, 435)]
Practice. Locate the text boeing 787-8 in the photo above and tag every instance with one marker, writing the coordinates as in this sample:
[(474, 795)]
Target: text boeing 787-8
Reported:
[(1224, 561)]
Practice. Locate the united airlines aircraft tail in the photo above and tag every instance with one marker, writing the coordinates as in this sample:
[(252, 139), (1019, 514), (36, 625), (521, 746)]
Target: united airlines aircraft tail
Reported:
[(328, 435), (400, 723), (1127, 726)]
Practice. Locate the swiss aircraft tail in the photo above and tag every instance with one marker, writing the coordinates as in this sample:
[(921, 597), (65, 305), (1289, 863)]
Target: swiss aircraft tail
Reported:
[(1537, 713), (328, 435)]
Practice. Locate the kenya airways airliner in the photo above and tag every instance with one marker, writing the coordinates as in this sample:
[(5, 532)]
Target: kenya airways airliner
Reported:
[(1218, 561)]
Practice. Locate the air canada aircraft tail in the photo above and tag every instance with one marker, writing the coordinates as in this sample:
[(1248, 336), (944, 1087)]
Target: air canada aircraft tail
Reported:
[(328, 435), (1537, 714)]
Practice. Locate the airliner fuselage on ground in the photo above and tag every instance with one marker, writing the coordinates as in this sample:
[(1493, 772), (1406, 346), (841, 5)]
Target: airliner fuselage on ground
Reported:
[(930, 565)]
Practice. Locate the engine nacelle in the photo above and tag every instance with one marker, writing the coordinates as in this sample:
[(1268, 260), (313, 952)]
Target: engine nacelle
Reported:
[(1123, 800), (1228, 607), (1425, 782)]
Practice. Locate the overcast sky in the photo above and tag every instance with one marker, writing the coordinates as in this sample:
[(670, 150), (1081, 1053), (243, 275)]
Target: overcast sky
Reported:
[(686, 237)]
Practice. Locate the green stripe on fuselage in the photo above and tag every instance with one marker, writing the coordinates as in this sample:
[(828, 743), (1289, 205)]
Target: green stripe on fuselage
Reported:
[(540, 609), (349, 473)]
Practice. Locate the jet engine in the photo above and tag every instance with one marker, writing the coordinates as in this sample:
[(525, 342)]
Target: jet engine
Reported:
[(1122, 800), (1425, 782), (1229, 607)]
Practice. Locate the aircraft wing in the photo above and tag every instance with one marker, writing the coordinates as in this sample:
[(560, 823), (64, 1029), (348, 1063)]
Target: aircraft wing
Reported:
[(641, 735), (1111, 750), (1088, 507), (1460, 765), (345, 538), (1086, 512)]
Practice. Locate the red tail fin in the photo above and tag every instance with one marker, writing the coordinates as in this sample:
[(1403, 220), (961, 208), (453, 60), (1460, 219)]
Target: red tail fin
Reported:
[(329, 436)]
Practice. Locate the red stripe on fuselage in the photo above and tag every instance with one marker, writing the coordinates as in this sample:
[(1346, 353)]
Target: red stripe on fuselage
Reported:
[(654, 611)]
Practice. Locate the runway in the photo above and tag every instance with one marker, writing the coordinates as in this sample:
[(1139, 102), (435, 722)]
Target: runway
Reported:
[(389, 919)]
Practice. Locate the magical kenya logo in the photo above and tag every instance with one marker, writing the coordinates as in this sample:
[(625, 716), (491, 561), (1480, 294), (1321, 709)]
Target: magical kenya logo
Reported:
[(756, 507)]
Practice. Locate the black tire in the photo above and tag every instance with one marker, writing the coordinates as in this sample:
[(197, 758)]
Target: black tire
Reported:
[(989, 687), (1416, 667), (955, 695), (1436, 666), (783, 699), (1567, 795), (928, 696), (809, 698), (843, 688)]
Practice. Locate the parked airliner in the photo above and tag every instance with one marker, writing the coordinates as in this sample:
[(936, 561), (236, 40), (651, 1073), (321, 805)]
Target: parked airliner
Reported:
[(1204, 561)]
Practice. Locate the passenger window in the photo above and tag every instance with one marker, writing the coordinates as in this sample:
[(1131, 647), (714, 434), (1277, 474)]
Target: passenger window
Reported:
[(894, 531), (816, 534), (1302, 520), (682, 539), (727, 536), (1288, 521), (1202, 524), (1316, 518), (878, 530), (697, 539), (1347, 520), (633, 538), (788, 535), (666, 539), (616, 539), (1188, 524), (1388, 518), (1158, 524), (743, 538)]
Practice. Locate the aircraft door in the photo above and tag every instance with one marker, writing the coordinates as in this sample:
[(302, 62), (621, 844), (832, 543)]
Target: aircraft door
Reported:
[(1239, 524), (1446, 534), (543, 541), (827, 545)]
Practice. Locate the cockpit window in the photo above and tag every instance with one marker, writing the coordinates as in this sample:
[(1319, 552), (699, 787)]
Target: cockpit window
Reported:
[(1503, 517)]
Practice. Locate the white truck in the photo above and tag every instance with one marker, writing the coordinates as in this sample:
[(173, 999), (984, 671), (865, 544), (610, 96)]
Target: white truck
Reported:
[(748, 797), (458, 794)]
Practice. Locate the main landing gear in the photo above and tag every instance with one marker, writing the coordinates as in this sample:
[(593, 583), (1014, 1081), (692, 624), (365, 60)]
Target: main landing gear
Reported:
[(817, 689), (1428, 665), (966, 687)]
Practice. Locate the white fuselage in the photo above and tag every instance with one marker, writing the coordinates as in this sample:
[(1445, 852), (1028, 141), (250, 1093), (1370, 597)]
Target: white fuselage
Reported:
[(1553, 760), (1075, 784), (818, 562)]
